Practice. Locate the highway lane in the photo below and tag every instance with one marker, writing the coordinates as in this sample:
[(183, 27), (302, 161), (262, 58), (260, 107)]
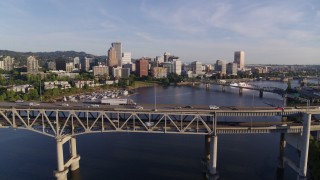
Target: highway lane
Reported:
[(146, 107)]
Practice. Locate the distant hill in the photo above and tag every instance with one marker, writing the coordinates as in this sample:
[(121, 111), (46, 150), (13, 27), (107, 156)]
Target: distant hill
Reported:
[(43, 57)]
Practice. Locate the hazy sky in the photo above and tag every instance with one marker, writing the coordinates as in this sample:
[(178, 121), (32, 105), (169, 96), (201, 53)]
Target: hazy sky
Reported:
[(271, 31)]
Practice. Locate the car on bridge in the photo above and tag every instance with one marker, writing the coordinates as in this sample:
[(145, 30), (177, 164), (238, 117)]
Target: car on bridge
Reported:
[(280, 108), (212, 107), (138, 107), (188, 107), (34, 104)]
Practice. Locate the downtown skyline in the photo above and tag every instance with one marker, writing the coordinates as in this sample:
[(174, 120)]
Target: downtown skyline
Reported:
[(272, 32)]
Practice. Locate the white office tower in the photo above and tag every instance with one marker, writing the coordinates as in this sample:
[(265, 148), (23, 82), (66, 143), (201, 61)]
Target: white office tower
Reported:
[(196, 67), (177, 67), (166, 56), (239, 59), (126, 58), (159, 59)]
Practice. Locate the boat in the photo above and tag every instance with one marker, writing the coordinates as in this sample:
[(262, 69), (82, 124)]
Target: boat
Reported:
[(242, 84), (234, 84)]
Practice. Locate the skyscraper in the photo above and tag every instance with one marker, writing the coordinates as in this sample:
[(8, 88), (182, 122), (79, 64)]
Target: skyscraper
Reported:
[(112, 58), (166, 56), (117, 48), (60, 64), (8, 63), (239, 59), (142, 66), (126, 58), (221, 66), (232, 69), (32, 64), (85, 63), (177, 67)]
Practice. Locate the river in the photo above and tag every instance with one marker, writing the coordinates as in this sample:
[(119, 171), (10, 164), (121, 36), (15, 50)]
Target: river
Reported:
[(26, 155)]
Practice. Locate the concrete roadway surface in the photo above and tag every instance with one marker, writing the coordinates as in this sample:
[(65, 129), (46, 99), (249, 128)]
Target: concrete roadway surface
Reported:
[(146, 107)]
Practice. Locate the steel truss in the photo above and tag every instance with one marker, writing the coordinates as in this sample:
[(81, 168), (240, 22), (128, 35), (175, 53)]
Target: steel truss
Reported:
[(61, 123)]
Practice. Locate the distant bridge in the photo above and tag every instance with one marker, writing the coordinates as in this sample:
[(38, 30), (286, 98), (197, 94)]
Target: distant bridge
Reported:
[(65, 124), (262, 89)]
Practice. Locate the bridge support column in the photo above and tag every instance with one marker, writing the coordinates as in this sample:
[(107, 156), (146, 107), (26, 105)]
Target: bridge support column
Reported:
[(305, 146), (240, 91), (223, 88), (207, 86), (261, 93), (206, 157), (72, 162), (282, 150), (285, 98), (61, 173), (76, 158), (213, 174)]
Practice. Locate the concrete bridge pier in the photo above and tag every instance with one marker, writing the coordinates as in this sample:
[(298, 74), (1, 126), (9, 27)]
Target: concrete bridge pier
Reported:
[(223, 88), (261, 93), (301, 143), (206, 157), (207, 86), (305, 146), (72, 162), (282, 148), (74, 156), (285, 98), (240, 91), (62, 171), (212, 169)]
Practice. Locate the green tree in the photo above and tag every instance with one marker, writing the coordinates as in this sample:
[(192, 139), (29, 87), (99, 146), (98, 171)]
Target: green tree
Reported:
[(33, 94)]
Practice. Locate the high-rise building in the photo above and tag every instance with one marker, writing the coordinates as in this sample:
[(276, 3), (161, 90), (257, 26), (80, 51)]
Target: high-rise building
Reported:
[(142, 66), (1, 65), (166, 56), (196, 67), (159, 59), (232, 69), (168, 66), (7, 63), (85, 63), (32, 64), (60, 64), (126, 58), (239, 59), (69, 67), (117, 48), (51, 65), (100, 70), (221, 67), (112, 58), (125, 72), (76, 62), (177, 67), (159, 72)]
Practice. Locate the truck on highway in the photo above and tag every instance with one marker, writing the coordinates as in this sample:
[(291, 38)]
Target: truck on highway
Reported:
[(111, 101)]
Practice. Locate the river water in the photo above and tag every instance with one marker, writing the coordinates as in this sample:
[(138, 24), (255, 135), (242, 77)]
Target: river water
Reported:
[(26, 155)]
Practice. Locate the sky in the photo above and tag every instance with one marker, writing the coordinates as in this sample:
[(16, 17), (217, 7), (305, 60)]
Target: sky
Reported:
[(269, 32)]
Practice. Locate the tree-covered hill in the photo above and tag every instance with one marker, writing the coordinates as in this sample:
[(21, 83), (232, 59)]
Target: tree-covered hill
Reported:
[(21, 57)]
